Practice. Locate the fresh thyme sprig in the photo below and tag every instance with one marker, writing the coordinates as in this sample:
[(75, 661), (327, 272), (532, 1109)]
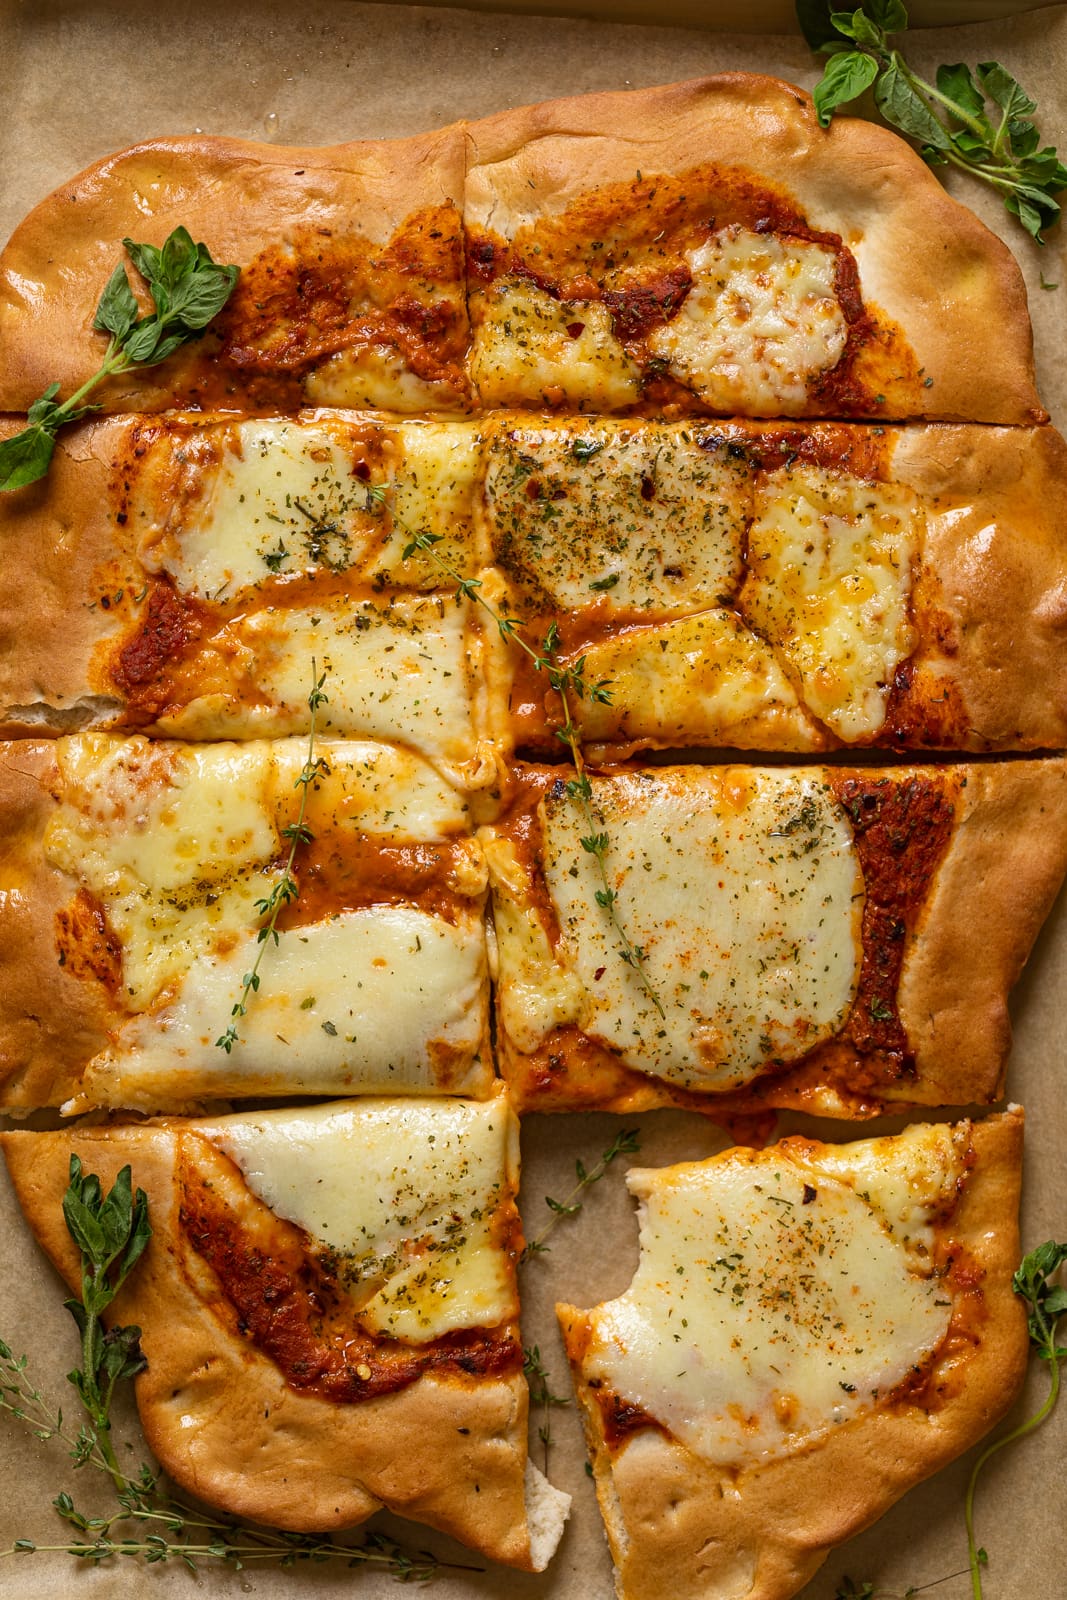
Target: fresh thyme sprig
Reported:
[(111, 1232), (627, 1143), (188, 289), (1046, 1304), (536, 1376), (949, 119), (565, 680), (286, 889)]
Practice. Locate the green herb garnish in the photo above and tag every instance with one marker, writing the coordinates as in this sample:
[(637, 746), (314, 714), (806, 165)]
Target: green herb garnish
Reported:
[(111, 1232), (627, 1143), (286, 889), (541, 1395), (980, 122), (188, 289)]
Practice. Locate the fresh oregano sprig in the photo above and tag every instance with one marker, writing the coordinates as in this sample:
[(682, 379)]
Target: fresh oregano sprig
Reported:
[(111, 1232), (979, 122), (627, 1143), (188, 289), (286, 889), (565, 680)]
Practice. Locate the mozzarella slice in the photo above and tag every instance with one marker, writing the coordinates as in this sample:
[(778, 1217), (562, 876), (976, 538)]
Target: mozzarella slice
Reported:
[(224, 506), (742, 889), (760, 321), (378, 375), (831, 561), (530, 349), (780, 1293), (697, 680), (625, 516), (405, 1195)]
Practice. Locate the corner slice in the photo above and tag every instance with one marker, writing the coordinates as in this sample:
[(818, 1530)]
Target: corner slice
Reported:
[(329, 1311), (811, 1330)]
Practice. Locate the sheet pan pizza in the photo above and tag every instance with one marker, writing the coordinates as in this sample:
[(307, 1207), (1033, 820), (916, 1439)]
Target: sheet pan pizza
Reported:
[(653, 422)]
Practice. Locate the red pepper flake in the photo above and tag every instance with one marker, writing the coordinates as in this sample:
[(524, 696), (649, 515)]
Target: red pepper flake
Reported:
[(648, 488), (599, 973), (575, 329), (362, 471), (533, 489)]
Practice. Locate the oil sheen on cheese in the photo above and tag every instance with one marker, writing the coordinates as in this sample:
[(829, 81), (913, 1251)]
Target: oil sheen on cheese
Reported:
[(761, 320), (406, 1195), (780, 1293), (744, 892)]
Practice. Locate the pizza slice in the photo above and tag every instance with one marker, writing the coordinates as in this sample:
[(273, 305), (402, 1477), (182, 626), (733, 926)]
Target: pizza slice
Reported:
[(351, 289), (137, 881), (186, 570), (328, 1310), (768, 937), (811, 1330), (783, 587), (706, 248)]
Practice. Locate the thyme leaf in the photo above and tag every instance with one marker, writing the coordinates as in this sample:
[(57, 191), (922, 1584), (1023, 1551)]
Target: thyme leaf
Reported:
[(626, 1143), (286, 890)]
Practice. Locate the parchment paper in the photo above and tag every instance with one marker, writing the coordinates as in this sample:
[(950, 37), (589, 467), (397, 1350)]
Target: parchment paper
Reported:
[(81, 80)]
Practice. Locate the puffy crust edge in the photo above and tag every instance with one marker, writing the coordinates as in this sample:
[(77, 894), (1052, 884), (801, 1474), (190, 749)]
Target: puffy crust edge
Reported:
[(221, 1420), (674, 1522)]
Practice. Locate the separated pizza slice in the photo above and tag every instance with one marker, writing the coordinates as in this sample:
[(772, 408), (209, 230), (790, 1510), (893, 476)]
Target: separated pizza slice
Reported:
[(139, 880), (181, 573), (706, 247), (811, 1330), (783, 587), (351, 289), (328, 1311), (833, 939)]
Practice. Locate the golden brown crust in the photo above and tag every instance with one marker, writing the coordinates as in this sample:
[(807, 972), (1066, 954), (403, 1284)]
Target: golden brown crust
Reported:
[(242, 199), (219, 1416), (949, 288), (998, 863), (680, 1526), (51, 1018)]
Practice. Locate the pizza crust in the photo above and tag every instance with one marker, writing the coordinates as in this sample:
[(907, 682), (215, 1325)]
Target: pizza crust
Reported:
[(957, 312), (678, 1525), (218, 1415), (241, 199)]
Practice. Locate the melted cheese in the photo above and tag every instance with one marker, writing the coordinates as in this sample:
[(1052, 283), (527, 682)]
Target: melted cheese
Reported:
[(377, 375), (530, 349), (699, 680), (405, 1195), (387, 999), (780, 1293), (402, 671), (230, 505), (744, 892), (627, 517), (761, 319), (831, 563), (179, 844)]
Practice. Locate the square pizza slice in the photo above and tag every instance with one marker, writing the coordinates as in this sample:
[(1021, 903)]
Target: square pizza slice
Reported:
[(782, 586), (736, 938), (812, 1329), (149, 888), (706, 248), (351, 289), (328, 1311), (180, 574)]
